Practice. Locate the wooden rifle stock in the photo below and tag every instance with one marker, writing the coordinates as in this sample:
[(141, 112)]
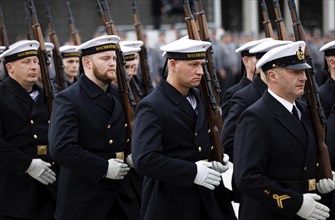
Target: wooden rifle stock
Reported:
[(266, 21), (324, 169), (281, 30), (29, 33), (56, 55), (212, 111), (127, 96), (42, 55), (146, 80), (204, 35), (74, 33), (3, 31)]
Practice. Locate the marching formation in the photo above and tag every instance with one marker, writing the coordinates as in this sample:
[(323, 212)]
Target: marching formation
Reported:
[(86, 132)]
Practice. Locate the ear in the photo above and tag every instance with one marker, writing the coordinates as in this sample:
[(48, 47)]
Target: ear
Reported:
[(245, 60), (172, 64), (272, 76), (87, 63), (9, 67), (331, 62)]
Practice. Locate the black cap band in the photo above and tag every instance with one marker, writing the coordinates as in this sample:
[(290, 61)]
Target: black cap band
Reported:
[(129, 57), (71, 54), (21, 55), (330, 52), (259, 55), (283, 62), (98, 49), (246, 53), (186, 56)]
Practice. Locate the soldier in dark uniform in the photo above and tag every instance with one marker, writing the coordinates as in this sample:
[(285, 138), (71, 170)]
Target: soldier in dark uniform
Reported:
[(327, 90), (248, 71), (88, 138), (130, 51), (275, 146), (70, 58), (242, 99), (27, 187), (171, 145)]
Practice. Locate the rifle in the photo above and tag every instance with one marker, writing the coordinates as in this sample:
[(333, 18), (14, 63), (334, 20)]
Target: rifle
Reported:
[(29, 33), (146, 80), (74, 33), (213, 113), (281, 31), (42, 55), (127, 96), (266, 21), (204, 35), (3, 31), (56, 55), (319, 120)]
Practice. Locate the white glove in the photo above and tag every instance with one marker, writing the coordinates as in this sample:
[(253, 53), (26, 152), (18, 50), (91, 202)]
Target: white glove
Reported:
[(311, 209), (129, 160), (40, 171), (206, 176), (326, 185), (221, 168), (117, 169)]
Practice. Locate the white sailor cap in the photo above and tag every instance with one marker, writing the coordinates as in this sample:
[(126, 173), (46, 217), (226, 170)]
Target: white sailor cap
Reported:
[(131, 43), (328, 48), (267, 45), (290, 56), (2, 49), (69, 51), (49, 46), (129, 53), (244, 49), (98, 45), (186, 49), (20, 50)]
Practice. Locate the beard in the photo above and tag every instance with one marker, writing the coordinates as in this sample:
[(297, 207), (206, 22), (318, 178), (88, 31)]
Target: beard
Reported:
[(103, 76)]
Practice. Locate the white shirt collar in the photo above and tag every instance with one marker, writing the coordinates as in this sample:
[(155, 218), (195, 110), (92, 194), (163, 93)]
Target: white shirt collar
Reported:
[(288, 105)]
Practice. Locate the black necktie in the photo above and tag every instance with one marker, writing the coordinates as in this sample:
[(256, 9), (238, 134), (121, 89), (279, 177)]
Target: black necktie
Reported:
[(295, 112)]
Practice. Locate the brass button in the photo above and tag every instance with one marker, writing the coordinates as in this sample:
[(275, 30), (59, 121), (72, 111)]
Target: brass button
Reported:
[(212, 147), (48, 121), (35, 136), (305, 168), (110, 141), (128, 140), (125, 125), (108, 126), (317, 164), (32, 122), (209, 131), (199, 149), (196, 134)]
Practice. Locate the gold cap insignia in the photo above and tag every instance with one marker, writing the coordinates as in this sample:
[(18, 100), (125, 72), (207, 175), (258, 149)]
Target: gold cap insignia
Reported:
[(300, 54)]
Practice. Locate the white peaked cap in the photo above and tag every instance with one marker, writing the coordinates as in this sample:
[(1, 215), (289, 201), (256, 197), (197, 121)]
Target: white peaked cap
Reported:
[(290, 56), (126, 50), (131, 43), (268, 45), (244, 49), (69, 51), (20, 50), (328, 48), (186, 49), (49, 46), (98, 45)]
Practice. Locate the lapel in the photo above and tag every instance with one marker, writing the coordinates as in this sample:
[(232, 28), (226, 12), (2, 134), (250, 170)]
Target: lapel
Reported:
[(200, 118), (97, 95), (177, 98), (330, 83), (18, 92), (286, 119)]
